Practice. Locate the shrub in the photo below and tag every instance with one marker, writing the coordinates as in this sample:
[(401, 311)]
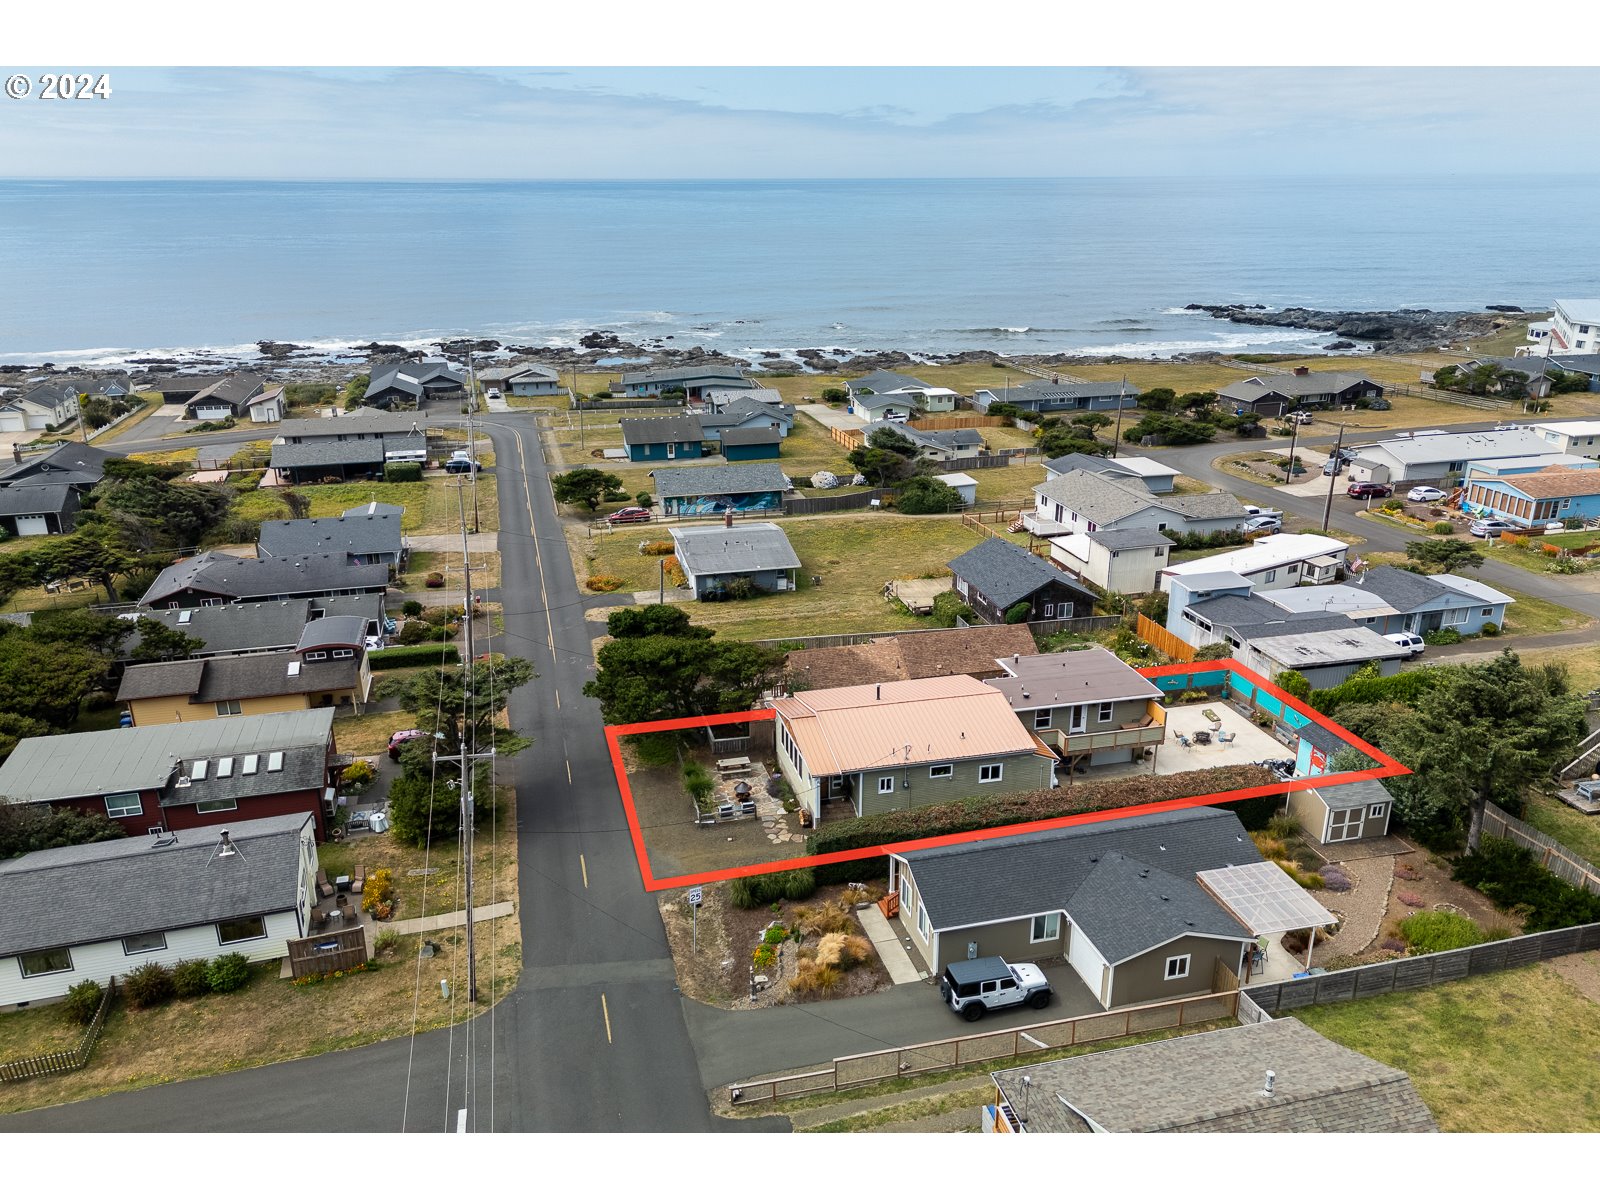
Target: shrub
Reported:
[(434, 579), (752, 891), (765, 957), (413, 656), (1442, 637), (1334, 879), (1393, 945), (824, 919), (378, 891), (229, 973), (698, 783), (843, 950), (834, 395), (948, 606), (644, 499), (775, 935), (656, 548), (1409, 899), (815, 979), (1443, 527), (386, 941), (358, 776), (674, 572), (402, 473), (411, 608), (414, 633), (83, 1001), (1018, 612), (602, 583), (191, 978), (148, 986), (1490, 629), (853, 896), (1429, 932), (798, 885), (1508, 875)]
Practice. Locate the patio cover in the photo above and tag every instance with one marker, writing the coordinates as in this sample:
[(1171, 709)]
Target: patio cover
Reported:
[(1265, 900)]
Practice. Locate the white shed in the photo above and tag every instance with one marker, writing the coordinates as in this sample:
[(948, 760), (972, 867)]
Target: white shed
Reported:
[(966, 485)]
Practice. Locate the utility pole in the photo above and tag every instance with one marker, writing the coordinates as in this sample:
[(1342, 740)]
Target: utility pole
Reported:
[(1333, 478), (472, 445), (576, 399), (1294, 436), (1116, 437)]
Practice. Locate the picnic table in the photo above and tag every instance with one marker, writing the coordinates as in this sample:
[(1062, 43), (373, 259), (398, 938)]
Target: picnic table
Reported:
[(733, 766)]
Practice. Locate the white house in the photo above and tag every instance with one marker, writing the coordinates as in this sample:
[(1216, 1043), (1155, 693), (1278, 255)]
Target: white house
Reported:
[(889, 395), (1083, 502), (1158, 477), (1434, 456), (1118, 560), (267, 408), (1279, 560), (1574, 328), (1570, 437), (102, 910)]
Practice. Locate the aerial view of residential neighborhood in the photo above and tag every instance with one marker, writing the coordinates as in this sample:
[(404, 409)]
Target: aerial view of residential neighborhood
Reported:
[(675, 645)]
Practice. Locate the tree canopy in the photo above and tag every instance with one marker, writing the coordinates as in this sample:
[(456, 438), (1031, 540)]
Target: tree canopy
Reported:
[(925, 494), (1445, 554), (584, 487)]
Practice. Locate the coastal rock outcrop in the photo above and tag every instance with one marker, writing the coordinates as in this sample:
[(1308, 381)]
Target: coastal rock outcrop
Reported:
[(1400, 329)]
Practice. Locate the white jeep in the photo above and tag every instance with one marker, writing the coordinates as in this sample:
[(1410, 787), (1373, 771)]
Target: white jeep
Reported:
[(975, 986)]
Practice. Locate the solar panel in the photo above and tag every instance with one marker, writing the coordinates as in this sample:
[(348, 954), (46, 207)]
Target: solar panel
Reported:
[(1264, 898)]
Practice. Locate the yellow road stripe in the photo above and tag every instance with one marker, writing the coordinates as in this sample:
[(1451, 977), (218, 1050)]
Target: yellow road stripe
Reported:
[(585, 868), (605, 1011)]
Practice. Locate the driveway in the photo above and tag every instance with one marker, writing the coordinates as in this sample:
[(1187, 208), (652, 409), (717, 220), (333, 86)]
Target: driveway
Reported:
[(831, 418)]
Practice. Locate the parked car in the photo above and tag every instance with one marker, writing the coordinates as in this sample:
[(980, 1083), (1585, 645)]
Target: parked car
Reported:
[(1300, 417), (975, 986), (492, 394), (461, 466), (1425, 493), (401, 737), (1487, 527), (1411, 643), (1506, 427), (1369, 489), (626, 516), (1265, 523), (1334, 466)]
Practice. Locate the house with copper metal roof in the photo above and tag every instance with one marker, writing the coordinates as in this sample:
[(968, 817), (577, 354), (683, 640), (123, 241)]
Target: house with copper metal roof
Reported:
[(879, 747)]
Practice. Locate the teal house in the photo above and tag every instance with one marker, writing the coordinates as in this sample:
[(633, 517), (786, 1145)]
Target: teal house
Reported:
[(742, 445), (662, 439)]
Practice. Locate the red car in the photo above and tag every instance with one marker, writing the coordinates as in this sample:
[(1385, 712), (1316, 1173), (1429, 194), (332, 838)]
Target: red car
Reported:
[(626, 516), (1369, 489)]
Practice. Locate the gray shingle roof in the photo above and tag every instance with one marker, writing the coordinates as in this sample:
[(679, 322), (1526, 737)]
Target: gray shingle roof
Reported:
[(1401, 590), (746, 407), (749, 437), (886, 381), (720, 481), (1006, 573), (1214, 1083), (105, 890), (750, 546), (1358, 794), (1125, 907), (1075, 462), (412, 377), (1043, 389), (69, 462), (364, 421), (364, 452), (178, 678), (652, 431), (721, 376), (232, 390), (1099, 498), (22, 500), (239, 677), (251, 578), (304, 769), (1129, 539), (263, 625), (69, 765), (361, 535), (982, 882), (1293, 387), (1086, 676), (344, 630)]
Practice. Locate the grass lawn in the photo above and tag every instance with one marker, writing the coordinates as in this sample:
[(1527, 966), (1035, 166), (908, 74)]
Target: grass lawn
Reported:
[(1574, 830), (36, 598), (1531, 557), (368, 733), (485, 570), (855, 556), (32, 1031), (268, 1021), (431, 505), (1513, 1051), (1532, 615)]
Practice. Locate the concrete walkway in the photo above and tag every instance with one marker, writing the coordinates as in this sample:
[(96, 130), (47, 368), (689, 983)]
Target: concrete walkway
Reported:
[(452, 920), (895, 959)]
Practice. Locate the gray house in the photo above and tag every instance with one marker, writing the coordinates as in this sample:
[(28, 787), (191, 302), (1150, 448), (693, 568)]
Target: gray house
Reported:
[(1389, 600), (1087, 705), (996, 575), (42, 494), (215, 578), (1084, 501), (714, 557), (352, 445), (1119, 899), (229, 396), (934, 445), (363, 537), (1157, 477), (1044, 396), (409, 384), (258, 626), (708, 491), (692, 381), (1274, 395)]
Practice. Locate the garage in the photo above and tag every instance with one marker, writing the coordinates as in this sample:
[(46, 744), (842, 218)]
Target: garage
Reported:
[(35, 526)]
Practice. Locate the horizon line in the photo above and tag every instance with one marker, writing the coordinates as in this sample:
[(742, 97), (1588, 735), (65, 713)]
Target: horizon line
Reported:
[(705, 179)]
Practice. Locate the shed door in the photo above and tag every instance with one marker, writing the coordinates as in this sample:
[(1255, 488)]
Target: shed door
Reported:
[(32, 526), (1344, 824)]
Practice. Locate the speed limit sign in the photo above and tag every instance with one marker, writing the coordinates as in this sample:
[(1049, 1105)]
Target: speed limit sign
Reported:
[(695, 897)]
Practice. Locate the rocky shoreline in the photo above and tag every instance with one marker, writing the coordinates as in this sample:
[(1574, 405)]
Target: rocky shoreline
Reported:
[(1389, 331)]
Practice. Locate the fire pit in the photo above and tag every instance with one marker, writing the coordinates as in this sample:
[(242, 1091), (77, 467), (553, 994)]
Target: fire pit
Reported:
[(1202, 737), (741, 790)]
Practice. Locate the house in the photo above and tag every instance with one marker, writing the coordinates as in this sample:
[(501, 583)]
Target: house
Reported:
[(1088, 705), (744, 445), (182, 775), (327, 669), (886, 746), (43, 406), (1538, 374), (1325, 657), (1574, 328), (362, 534), (706, 491), (1270, 1077), (104, 909), (997, 576), (1580, 438), (1274, 395), (410, 384), (1436, 457), (1389, 600), (1344, 812), (529, 379), (1535, 499), (963, 485), (115, 386), (352, 445), (1084, 501), (933, 445), (228, 397), (1117, 560), (42, 494), (1279, 560), (693, 382), (252, 628), (212, 577), (267, 407), (1046, 396), (1158, 478), (659, 439), (1119, 899), (715, 558), (180, 389), (758, 408), (916, 654), (1525, 464), (882, 395)]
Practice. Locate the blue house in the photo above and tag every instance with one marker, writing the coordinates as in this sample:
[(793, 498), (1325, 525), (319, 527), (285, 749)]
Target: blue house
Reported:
[(1048, 396), (1535, 499), (661, 439), (1389, 600), (707, 491), (742, 445)]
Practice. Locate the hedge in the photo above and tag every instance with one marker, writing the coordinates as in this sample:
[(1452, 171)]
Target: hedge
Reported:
[(402, 472), (989, 812), (1404, 688), (413, 656)]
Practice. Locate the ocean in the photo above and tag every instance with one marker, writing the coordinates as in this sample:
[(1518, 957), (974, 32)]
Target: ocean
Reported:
[(97, 272)]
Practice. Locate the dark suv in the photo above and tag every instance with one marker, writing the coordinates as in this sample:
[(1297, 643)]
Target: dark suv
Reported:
[(1369, 489)]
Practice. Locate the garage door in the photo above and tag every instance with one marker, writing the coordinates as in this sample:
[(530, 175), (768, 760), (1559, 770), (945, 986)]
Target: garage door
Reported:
[(32, 526), (1085, 960), (12, 422)]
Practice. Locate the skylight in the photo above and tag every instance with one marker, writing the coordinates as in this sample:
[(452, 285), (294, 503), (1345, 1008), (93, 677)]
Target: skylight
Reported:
[(198, 771), (224, 767), (275, 761), (249, 766)]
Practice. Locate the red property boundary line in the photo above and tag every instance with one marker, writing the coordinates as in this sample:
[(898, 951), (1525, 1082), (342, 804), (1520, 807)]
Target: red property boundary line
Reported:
[(1387, 768)]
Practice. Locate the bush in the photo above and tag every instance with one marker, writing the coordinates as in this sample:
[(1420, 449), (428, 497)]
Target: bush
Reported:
[(1508, 875), (674, 572), (1430, 932), (754, 891), (413, 656), (843, 950), (83, 1001), (1018, 612), (402, 473), (698, 783), (191, 978), (149, 986), (925, 494), (228, 973), (1442, 637), (815, 979), (1443, 527), (1490, 629), (358, 776), (386, 941), (823, 919), (378, 891), (602, 583), (948, 606), (656, 548), (411, 608), (834, 395), (764, 958)]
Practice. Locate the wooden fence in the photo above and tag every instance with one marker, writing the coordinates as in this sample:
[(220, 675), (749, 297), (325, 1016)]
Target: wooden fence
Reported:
[(1425, 970), (1552, 855), (857, 1070), (64, 1060), (602, 405), (824, 641), (800, 506), (336, 950), (850, 439), (1170, 644), (960, 421)]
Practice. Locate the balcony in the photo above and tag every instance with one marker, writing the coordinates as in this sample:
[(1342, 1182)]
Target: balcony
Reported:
[(1151, 731)]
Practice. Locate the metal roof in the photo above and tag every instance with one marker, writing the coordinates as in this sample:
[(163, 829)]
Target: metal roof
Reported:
[(363, 421), (343, 630), (748, 546), (1264, 899), (1325, 647), (1459, 447)]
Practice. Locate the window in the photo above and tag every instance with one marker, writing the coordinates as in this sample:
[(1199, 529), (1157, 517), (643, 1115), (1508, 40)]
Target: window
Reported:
[(275, 761), (991, 772), (143, 943), (941, 771), (1161, 552), (1105, 711), (46, 962), (1271, 575), (1177, 967), (1488, 612), (224, 767), (124, 804), (924, 926), (1049, 611), (1376, 811), (198, 771), (1041, 719), (344, 653), (249, 765), (211, 806), (243, 930), (885, 784), (315, 655), (1046, 928), (228, 708)]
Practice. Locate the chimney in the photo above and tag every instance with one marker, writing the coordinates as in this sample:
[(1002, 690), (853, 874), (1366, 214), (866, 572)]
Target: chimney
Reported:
[(225, 847), (1271, 1076)]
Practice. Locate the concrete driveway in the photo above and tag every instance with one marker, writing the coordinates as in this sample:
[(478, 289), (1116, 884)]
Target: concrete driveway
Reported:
[(831, 418)]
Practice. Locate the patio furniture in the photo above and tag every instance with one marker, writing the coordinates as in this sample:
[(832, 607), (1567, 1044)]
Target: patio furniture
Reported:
[(1202, 737), (1261, 946), (1225, 737), (341, 884), (359, 883), (724, 812), (1183, 739), (324, 888), (733, 766), (747, 807)]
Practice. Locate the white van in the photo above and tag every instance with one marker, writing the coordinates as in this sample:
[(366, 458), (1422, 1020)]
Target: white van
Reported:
[(1411, 643)]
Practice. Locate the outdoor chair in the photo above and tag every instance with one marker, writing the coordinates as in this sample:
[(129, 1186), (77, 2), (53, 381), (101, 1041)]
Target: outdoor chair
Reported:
[(324, 888), (359, 881)]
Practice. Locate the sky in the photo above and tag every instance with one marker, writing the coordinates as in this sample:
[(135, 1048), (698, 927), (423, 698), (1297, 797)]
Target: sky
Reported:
[(653, 122)]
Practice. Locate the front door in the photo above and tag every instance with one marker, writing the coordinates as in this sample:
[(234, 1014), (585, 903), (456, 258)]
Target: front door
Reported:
[(1078, 718), (1344, 825)]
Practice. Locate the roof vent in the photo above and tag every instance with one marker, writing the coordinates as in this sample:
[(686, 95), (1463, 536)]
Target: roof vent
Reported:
[(225, 847), (161, 837), (1268, 1089)]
